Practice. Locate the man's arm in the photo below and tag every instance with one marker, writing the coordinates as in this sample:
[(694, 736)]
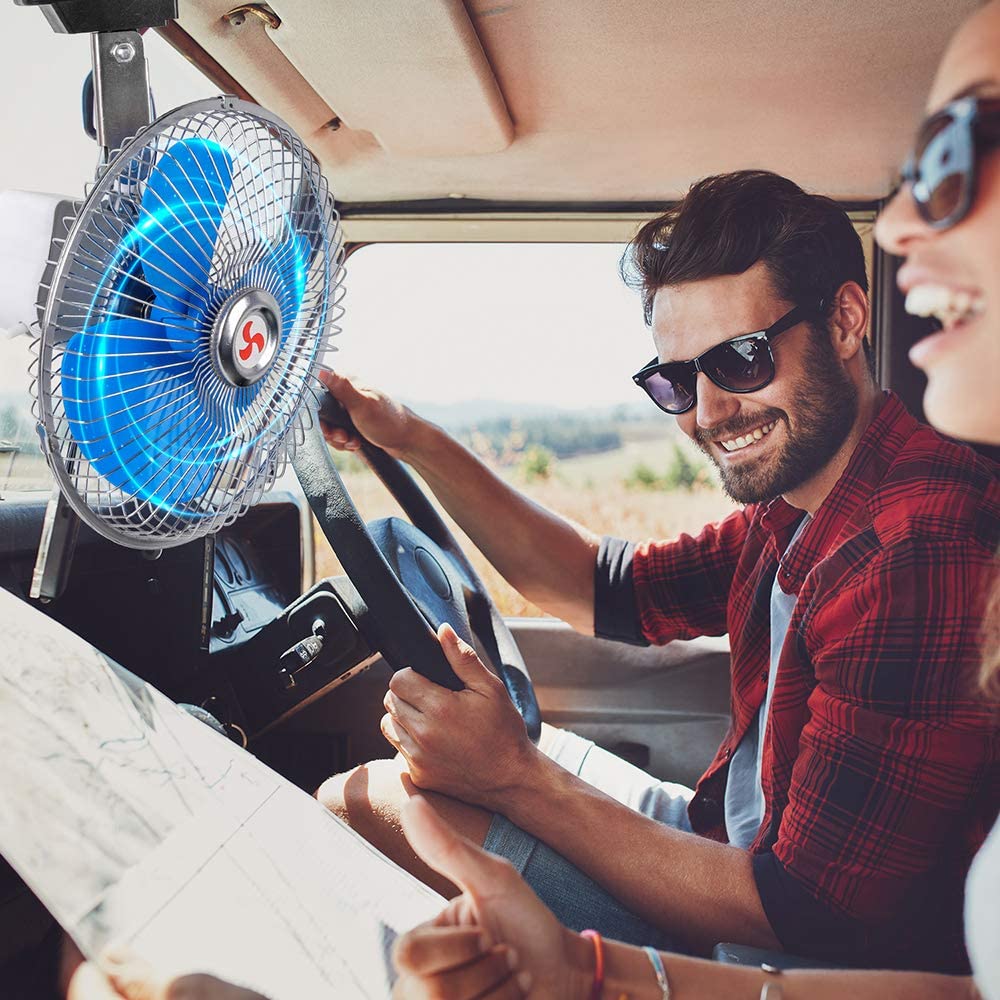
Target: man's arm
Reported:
[(895, 726), (547, 558), (702, 890), (449, 958)]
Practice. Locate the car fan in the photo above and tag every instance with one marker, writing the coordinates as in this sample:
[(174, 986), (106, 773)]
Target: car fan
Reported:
[(188, 311)]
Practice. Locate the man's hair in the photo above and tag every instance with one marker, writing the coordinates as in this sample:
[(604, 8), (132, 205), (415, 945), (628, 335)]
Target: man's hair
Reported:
[(729, 222)]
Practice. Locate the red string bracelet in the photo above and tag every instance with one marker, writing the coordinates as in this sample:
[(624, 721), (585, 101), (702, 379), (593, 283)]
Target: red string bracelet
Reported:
[(598, 987)]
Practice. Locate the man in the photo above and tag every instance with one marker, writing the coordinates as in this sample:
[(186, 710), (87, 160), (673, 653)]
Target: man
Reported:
[(858, 776)]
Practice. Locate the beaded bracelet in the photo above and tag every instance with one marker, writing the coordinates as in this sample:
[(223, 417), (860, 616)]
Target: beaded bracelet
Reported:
[(661, 973)]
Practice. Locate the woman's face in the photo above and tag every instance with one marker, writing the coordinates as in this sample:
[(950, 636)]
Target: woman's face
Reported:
[(957, 270)]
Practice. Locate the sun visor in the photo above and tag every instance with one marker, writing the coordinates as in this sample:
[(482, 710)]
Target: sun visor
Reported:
[(242, 45), (412, 74)]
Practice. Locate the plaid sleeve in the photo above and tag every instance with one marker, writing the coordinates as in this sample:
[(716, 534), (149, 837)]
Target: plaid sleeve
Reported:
[(682, 587), (896, 750)]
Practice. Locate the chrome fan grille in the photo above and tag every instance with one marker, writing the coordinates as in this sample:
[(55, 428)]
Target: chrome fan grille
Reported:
[(194, 296)]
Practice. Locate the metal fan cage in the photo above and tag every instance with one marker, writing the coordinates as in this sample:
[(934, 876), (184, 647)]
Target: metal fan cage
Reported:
[(277, 189)]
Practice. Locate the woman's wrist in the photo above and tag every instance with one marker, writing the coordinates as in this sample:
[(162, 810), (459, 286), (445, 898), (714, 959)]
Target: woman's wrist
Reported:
[(627, 970), (580, 965)]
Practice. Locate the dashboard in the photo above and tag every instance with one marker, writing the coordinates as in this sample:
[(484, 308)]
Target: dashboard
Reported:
[(219, 623)]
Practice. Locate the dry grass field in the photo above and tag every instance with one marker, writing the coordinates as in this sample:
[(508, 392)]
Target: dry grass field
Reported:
[(588, 489)]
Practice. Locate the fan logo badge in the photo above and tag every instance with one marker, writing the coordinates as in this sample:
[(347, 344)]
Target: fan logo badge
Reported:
[(246, 335), (252, 340)]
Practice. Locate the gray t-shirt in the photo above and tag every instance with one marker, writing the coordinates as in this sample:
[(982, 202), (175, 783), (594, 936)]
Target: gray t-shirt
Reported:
[(744, 802)]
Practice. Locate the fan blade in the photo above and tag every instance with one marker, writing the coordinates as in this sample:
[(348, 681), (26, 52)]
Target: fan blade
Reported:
[(134, 411), (181, 212), (286, 267)]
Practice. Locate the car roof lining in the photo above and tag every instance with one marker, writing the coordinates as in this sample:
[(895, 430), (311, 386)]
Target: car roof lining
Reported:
[(594, 101)]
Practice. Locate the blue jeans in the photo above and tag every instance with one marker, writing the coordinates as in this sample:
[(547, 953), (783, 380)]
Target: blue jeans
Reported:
[(572, 896)]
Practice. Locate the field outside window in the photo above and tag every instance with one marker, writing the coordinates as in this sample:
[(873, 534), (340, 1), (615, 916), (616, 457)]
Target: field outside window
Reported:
[(524, 352)]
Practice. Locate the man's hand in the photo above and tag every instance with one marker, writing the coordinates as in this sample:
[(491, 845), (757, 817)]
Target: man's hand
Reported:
[(547, 558), (496, 940), (469, 744), (377, 417)]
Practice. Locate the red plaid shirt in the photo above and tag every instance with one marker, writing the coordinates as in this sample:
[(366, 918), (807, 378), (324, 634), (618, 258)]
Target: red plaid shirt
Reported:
[(880, 773)]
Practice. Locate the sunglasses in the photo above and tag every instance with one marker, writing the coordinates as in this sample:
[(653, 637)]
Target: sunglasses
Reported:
[(743, 364), (942, 168)]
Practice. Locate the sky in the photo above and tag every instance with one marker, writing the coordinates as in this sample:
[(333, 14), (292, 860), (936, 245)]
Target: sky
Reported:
[(528, 324), (537, 324)]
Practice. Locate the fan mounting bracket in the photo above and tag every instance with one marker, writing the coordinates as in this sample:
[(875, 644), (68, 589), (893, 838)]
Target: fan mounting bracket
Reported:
[(55, 549), (121, 88)]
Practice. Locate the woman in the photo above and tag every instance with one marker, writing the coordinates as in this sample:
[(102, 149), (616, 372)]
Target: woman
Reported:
[(496, 940)]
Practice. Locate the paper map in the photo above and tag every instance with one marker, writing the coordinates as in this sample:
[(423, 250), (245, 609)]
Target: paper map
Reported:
[(134, 822)]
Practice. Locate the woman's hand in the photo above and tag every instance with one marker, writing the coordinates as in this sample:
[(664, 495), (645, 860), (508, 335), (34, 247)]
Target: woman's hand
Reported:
[(496, 941), (127, 977)]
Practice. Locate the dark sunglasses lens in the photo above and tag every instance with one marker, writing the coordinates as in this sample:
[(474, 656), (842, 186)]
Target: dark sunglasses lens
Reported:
[(675, 395), (944, 158), (740, 366)]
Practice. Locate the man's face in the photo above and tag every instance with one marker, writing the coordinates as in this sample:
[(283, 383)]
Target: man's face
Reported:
[(774, 440)]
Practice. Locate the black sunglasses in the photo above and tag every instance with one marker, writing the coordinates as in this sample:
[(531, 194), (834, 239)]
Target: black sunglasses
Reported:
[(743, 364), (942, 168)]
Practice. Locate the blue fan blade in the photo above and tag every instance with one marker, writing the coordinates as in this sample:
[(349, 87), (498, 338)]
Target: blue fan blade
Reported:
[(181, 212), (287, 266), (134, 412)]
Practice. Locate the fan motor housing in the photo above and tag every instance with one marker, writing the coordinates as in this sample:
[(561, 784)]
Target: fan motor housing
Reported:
[(246, 335)]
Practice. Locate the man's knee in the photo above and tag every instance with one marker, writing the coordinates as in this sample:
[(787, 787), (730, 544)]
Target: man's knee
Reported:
[(370, 800), (370, 793)]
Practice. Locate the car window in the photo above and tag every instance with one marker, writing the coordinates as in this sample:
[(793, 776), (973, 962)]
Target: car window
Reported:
[(62, 161), (524, 352), (22, 466)]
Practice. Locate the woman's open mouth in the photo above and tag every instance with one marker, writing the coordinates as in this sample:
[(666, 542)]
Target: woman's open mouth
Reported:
[(953, 308)]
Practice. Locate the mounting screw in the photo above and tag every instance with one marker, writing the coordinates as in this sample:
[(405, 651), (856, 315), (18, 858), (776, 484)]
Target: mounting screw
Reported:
[(238, 15), (123, 52)]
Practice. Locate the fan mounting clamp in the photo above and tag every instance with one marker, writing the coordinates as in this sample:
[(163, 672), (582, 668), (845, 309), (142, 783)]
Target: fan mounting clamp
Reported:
[(245, 336)]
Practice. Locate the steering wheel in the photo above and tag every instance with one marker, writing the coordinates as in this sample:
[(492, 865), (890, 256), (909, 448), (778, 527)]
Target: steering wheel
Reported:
[(411, 576)]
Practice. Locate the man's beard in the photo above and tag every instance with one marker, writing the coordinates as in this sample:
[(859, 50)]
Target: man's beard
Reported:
[(825, 408)]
